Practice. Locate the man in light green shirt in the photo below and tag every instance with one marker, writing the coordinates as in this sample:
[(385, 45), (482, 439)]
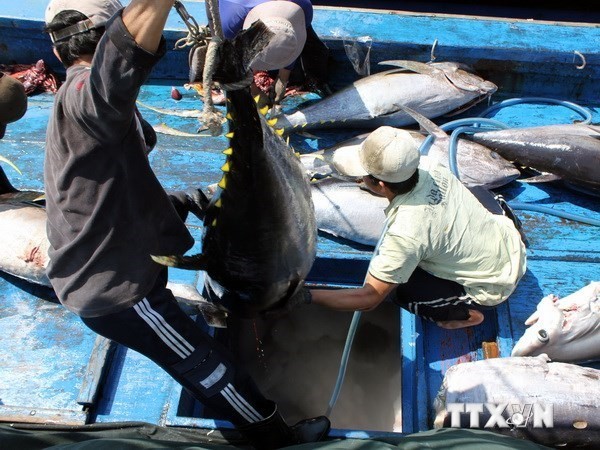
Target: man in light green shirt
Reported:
[(442, 252)]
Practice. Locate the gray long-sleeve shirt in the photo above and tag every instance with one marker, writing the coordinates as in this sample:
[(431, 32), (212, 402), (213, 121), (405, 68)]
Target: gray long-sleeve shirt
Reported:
[(107, 212)]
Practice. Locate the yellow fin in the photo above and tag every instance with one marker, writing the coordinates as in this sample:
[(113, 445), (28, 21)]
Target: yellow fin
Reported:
[(264, 110), (229, 135), (279, 132), (228, 116), (218, 203), (228, 151), (272, 122), (223, 183), (257, 98), (214, 223), (226, 167)]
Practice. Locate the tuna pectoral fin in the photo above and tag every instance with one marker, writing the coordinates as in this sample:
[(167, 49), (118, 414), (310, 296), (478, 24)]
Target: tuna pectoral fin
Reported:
[(543, 178), (425, 123), (195, 262)]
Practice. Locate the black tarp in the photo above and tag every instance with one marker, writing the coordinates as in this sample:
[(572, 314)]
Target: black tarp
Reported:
[(143, 436)]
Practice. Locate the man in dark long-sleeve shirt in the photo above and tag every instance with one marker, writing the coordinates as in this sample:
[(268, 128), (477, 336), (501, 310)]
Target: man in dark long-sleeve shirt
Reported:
[(107, 213)]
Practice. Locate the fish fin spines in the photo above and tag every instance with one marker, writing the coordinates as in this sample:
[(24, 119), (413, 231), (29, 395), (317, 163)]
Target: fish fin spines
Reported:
[(223, 183), (219, 203), (194, 262), (264, 110), (272, 122), (228, 151), (229, 135), (226, 167), (280, 131)]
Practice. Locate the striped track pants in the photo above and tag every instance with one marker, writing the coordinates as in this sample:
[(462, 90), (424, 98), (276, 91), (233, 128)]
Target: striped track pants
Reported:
[(157, 328)]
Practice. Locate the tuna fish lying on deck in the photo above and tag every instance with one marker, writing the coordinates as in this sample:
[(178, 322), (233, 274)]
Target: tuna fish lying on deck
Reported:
[(566, 330), (477, 165), (571, 152), (260, 232), (23, 238), (344, 209), (553, 404), (434, 89)]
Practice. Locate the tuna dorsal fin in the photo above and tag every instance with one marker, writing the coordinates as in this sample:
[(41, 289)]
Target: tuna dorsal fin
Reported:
[(413, 66)]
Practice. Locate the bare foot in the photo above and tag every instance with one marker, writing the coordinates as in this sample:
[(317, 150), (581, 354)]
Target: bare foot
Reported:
[(475, 318)]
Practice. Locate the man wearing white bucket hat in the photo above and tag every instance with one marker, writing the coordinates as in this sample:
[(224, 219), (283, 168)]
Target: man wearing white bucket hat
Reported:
[(107, 213), (442, 255), (288, 20)]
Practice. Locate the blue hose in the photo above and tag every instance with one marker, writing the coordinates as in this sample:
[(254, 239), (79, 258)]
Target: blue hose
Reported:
[(553, 212), (344, 362), (587, 115), (470, 121)]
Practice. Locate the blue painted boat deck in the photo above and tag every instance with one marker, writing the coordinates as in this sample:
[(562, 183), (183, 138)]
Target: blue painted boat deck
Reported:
[(52, 365)]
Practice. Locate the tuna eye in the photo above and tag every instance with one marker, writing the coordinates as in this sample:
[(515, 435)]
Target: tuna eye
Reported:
[(542, 336)]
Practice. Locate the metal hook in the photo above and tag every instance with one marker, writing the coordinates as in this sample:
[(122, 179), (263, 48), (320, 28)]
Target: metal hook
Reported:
[(197, 35), (189, 21), (433, 47), (583, 64)]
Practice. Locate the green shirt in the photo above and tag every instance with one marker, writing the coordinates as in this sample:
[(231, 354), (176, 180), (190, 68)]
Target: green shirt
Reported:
[(442, 228)]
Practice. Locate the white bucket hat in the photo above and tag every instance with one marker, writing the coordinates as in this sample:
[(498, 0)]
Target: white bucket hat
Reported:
[(98, 13), (286, 20), (389, 154)]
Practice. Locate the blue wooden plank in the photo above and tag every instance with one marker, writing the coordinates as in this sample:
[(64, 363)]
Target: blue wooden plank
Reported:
[(136, 389), (45, 350)]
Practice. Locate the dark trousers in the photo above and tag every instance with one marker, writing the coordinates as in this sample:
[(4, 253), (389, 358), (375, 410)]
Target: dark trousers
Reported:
[(434, 298), (158, 328)]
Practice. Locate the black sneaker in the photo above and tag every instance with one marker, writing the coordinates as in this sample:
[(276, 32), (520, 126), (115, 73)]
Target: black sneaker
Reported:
[(311, 430)]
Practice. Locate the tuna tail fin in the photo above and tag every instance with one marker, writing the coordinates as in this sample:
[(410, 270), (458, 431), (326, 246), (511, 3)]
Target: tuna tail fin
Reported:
[(5, 186), (195, 262), (235, 56)]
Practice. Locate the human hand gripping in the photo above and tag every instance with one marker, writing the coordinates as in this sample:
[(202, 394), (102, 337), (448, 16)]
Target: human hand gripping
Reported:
[(302, 297)]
